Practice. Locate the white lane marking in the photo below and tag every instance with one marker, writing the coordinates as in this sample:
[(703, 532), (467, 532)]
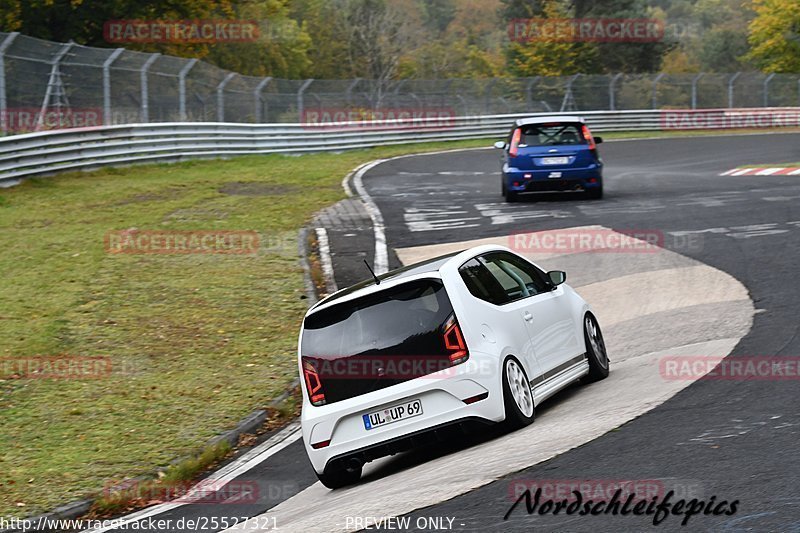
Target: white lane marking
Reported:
[(461, 173), (221, 477), (502, 213), (325, 259), (381, 262), (794, 172), (743, 171), (744, 232), (728, 172), (437, 225)]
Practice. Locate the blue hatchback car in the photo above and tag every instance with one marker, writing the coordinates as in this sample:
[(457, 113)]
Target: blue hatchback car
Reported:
[(551, 154)]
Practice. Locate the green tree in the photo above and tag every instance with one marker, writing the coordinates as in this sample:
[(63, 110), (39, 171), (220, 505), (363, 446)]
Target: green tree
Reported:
[(548, 57), (775, 36), (437, 14)]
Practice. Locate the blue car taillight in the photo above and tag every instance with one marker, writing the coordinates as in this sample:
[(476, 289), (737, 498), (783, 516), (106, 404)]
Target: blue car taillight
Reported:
[(587, 135), (513, 148)]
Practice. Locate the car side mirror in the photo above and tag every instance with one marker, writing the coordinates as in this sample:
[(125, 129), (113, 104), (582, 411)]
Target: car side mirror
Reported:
[(557, 277), (500, 145), (598, 140)]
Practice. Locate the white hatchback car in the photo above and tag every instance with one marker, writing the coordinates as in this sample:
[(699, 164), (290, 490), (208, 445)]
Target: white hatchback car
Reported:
[(482, 334)]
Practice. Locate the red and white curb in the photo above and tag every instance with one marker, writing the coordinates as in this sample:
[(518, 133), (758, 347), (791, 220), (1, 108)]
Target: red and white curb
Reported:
[(763, 171)]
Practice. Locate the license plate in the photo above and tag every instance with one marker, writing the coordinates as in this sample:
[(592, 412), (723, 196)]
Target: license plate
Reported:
[(555, 160), (393, 414)]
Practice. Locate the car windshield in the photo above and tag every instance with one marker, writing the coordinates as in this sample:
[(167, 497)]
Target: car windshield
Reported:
[(551, 134)]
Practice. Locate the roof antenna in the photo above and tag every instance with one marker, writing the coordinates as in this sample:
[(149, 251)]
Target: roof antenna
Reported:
[(377, 281)]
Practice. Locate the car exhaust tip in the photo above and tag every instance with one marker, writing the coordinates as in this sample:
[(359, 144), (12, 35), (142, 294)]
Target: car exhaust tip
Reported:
[(353, 464)]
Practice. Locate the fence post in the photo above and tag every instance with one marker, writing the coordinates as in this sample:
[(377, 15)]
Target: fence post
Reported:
[(655, 89), (612, 88), (731, 81), (695, 80), (107, 84), (766, 89), (3, 103), (300, 92), (221, 96), (144, 87), (257, 96), (182, 88), (54, 83), (568, 103)]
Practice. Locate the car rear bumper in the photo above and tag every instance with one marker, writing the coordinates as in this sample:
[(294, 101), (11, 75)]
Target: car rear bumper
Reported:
[(572, 179), (442, 395)]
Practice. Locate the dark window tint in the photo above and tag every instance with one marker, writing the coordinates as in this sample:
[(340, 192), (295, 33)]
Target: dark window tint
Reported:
[(518, 277), (353, 342), (501, 277), (551, 134), (481, 284)]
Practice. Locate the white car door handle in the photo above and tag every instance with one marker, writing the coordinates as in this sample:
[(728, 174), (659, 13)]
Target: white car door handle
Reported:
[(527, 316)]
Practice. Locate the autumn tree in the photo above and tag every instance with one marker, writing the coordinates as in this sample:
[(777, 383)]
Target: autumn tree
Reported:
[(775, 35)]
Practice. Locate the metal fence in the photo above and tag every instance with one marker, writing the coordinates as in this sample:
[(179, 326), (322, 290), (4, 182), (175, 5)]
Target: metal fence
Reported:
[(47, 85), (48, 152)]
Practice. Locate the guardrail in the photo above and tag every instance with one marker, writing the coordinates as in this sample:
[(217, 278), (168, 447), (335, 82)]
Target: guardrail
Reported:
[(43, 153)]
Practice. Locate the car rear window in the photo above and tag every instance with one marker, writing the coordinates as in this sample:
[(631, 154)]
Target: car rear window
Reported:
[(402, 322), (551, 134)]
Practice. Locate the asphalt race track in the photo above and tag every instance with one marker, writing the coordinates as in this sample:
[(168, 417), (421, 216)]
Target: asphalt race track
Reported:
[(725, 279)]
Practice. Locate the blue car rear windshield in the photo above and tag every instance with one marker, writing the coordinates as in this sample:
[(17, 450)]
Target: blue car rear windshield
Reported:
[(551, 134)]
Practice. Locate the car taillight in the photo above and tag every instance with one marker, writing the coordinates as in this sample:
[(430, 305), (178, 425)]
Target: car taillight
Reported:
[(587, 135), (454, 342), (513, 148), (313, 383)]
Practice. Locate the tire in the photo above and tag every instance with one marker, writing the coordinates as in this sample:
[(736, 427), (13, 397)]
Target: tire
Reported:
[(596, 193), (336, 479), (515, 385), (596, 352), (510, 196)]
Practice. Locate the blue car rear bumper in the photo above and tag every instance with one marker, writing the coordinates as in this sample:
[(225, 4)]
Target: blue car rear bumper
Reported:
[(553, 179)]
